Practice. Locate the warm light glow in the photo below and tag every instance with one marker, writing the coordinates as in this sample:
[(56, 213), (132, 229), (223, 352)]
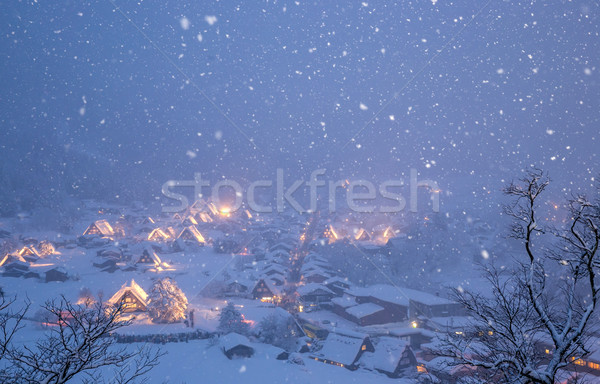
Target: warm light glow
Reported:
[(300, 308), (421, 369), (414, 324), (225, 211)]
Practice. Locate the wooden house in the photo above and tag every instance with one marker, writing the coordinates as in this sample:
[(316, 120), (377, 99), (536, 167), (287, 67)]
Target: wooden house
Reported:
[(392, 356), (235, 345), (158, 234), (29, 253), (343, 349), (148, 256), (313, 293), (100, 228), (191, 235), (267, 291), (132, 296), (56, 274)]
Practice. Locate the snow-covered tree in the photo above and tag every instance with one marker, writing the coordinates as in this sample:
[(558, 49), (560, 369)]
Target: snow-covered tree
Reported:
[(279, 331), (231, 320), (168, 303), (78, 346), (533, 325)]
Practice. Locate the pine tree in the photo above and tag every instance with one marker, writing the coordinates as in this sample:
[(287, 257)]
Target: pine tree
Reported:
[(168, 303), (231, 320)]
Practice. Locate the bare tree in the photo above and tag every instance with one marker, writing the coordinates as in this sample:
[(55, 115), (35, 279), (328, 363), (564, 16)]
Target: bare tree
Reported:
[(532, 325), (10, 322), (78, 342)]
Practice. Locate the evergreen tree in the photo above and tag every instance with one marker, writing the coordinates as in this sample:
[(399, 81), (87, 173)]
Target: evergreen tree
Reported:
[(231, 320), (168, 303)]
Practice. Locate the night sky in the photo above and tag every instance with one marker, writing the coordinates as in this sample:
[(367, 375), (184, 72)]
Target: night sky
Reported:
[(468, 93)]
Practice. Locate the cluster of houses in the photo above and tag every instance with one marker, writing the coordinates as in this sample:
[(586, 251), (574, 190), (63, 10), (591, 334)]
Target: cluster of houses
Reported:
[(31, 258)]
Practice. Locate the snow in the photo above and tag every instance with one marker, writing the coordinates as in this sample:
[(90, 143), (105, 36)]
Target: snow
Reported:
[(363, 310)]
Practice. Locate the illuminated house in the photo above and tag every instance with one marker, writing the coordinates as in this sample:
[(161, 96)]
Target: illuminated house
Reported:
[(101, 228), (29, 253), (158, 235), (265, 290), (133, 298), (190, 220), (149, 257), (362, 235), (343, 349), (191, 234), (203, 217)]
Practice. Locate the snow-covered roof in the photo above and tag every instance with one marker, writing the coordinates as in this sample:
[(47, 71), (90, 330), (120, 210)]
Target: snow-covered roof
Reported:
[(387, 355), (232, 340), (191, 232), (340, 348), (398, 295), (313, 287), (103, 226), (134, 289), (362, 310), (344, 301)]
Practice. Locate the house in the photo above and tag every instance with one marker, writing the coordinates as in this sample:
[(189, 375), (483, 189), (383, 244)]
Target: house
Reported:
[(29, 253), (190, 220), (236, 287), (101, 228), (149, 257), (428, 305), (448, 370), (315, 276), (203, 217), (391, 298), (365, 314), (56, 274), (191, 235), (110, 252), (158, 234), (132, 297), (343, 348), (15, 269), (337, 284), (362, 235), (13, 258), (235, 345), (392, 357), (313, 293), (265, 290)]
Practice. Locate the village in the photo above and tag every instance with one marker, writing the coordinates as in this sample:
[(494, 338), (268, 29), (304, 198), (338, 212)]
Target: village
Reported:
[(262, 268)]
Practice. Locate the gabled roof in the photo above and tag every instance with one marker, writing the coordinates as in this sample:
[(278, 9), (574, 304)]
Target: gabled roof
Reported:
[(341, 348), (363, 310), (134, 289), (362, 235), (158, 234), (12, 258), (313, 288), (100, 227), (232, 340), (398, 295), (191, 233), (149, 257), (387, 355), (29, 250)]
